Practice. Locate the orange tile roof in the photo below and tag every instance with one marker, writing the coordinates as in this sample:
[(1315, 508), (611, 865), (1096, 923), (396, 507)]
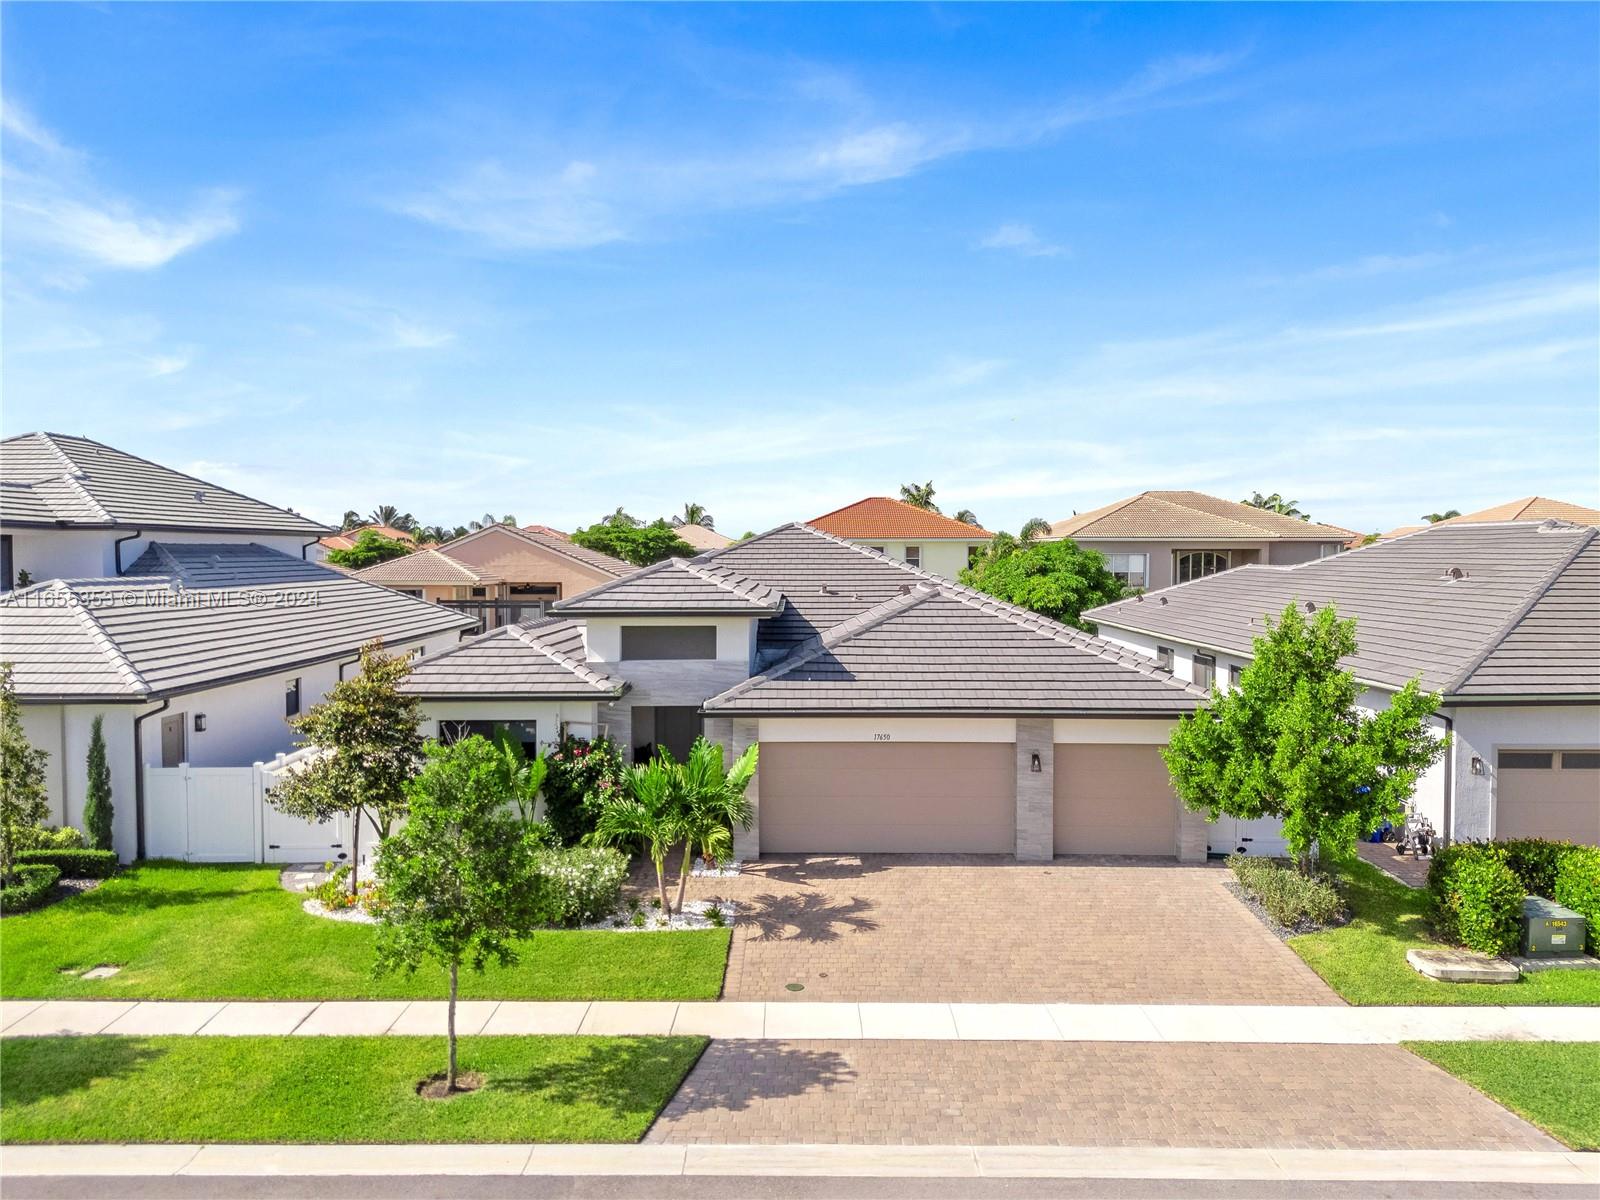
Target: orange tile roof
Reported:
[(346, 538), (545, 529), (882, 517)]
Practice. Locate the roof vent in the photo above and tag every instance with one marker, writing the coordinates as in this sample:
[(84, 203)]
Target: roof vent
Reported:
[(1163, 599), (1311, 606), (906, 589), (1454, 574), (825, 590), (200, 496)]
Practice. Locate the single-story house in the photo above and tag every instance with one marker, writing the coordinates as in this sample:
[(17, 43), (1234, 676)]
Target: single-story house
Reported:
[(896, 711), (1503, 619), (1156, 539), (918, 537)]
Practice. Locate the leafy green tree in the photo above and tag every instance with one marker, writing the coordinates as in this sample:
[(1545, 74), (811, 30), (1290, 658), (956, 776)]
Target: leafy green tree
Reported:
[(1033, 529), (639, 545), (1276, 503), (388, 514), (1434, 518), (712, 802), (695, 514), (370, 548), (1289, 742), (621, 517), (919, 495), (97, 809), (24, 794), (1054, 579), (367, 730), (459, 880), (648, 808)]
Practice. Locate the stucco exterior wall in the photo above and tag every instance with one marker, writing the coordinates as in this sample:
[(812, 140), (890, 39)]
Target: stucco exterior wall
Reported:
[(91, 553), (1483, 732), (1162, 564), (946, 559), (63, 732)]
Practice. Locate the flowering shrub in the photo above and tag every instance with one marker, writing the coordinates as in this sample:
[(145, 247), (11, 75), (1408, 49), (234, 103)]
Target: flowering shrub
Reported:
[(333, 893), (581, 774), (579, 884)]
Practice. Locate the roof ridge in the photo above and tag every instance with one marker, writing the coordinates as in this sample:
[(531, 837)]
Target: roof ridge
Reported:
[(582, 670), (1538, 593), (107, 645), (49, 439), (742, 589)]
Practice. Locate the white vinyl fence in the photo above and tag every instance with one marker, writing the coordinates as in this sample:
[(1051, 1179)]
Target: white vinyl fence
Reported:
[(221, 814)]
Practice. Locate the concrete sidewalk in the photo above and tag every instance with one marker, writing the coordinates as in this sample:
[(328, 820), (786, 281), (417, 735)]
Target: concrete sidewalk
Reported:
[(1239, 1023), (885, 1162)]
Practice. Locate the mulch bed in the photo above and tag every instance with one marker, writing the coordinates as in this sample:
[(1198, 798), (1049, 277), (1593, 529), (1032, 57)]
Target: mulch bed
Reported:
[(1282, 932)]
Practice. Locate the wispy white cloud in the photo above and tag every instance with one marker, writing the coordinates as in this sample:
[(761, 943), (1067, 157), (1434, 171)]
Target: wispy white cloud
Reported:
[(53, 204), (1020, 239)]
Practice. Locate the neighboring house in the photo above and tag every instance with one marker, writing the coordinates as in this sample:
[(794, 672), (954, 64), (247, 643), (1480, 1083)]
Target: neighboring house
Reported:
[(896, 711), (1529, 508), (1503, 619), (1156, 539), (73, 507), (547, 531), (702, 538), (499, 575), (209, 631), (915, 536), (346, 538)]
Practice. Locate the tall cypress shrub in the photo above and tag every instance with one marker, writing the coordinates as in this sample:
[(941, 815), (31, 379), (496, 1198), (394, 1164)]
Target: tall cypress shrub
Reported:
[(97, 810)]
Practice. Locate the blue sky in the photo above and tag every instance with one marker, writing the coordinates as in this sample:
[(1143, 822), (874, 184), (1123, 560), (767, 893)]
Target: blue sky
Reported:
[(548, 260)]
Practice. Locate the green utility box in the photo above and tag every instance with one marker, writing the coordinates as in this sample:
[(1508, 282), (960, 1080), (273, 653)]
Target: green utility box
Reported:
[(1550, 931)]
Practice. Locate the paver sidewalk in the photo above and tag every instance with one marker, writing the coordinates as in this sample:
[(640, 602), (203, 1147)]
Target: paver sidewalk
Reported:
[(1235, 1023)]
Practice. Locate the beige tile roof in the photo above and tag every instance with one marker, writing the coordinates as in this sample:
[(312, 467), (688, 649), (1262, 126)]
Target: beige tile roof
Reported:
[(1167, 515), (702, 538), (1532, 508), (346, 538), (422, 567)]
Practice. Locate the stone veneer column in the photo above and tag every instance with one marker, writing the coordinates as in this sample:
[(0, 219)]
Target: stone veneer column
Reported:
[(746, 842), (1194, 832), (1036, 794)]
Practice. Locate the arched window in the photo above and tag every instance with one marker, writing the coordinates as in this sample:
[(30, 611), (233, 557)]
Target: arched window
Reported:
[(1197, 564)]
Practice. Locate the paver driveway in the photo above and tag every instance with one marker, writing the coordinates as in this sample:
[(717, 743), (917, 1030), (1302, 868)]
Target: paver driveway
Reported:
[(977, 928), (1084, 1094)]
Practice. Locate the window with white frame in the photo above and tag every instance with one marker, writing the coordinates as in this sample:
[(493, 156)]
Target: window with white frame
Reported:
[(1197, 564), (913, 556), (1132, 569)]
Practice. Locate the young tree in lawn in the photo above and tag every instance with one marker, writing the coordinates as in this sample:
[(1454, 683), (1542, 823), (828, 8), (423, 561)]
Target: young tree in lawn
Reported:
[(1289, 742), (24, 794), (458, 879), (712, 802), (97, 810), (647, 808), (367, 730), (1055, 579)]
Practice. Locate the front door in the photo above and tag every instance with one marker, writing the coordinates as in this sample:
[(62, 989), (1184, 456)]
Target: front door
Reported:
[(174, 744)]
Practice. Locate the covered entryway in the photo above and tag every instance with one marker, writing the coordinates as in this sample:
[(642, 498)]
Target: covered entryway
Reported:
[(1548, 794), (893, 797), (1114, 799)]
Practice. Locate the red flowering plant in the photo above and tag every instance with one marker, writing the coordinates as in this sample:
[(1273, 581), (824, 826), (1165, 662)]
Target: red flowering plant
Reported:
[(582, 773)]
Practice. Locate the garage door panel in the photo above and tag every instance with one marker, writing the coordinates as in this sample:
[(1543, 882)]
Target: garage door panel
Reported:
[(1560, 800), (1114, 799), (864, 797)]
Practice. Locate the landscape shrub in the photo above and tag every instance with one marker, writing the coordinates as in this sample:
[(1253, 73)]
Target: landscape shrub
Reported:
[(1294, 900), (74, 863), (43, 837), (580, 774), (578, 884), (1536, 862), (1485, 904), (31, 884), (1578, 887)]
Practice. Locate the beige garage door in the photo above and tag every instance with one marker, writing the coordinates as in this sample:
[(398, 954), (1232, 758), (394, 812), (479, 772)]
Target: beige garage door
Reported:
[(1548, 794), (896, 797), (1114, 800)]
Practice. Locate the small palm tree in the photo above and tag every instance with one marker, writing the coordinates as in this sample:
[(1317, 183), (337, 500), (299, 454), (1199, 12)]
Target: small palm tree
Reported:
[(1276, 503), (623, 518), (1033, 529), (644, 809), (967, 517), (521, 776), (487, 521), (388, 514), (919, 495), (431, 533), (695, 514), (1435, 518), (351, 519), (713, 803)]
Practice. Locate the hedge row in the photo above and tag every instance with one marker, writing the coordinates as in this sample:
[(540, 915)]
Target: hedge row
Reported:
[(32, 884), (74, 864), (1475, 889)]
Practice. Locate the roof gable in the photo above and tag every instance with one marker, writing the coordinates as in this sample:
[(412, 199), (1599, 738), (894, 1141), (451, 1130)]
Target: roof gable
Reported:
[(509, 541), (420, 568), (542, 659), (1164, 515), (883, 518), (678, 586)]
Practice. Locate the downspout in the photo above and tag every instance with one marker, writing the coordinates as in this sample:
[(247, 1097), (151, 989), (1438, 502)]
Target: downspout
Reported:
[(138, 776), (308, 546), (116, 546), (1449, 775)]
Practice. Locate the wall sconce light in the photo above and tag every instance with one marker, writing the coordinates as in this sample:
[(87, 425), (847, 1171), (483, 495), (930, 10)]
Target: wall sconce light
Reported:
[(1477, 765), (199, 722), (1034, 764)]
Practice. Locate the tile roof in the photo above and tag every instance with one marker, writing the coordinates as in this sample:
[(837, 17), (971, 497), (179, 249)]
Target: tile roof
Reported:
[(198, 615), (535, 660), (346, 538), (702, 538), (558, 544), (547, 531), (1163, 515), (1519, 620), (886, 518), (1531, 508), (942, 649), (54, 479), (431, 566), (678, 586)]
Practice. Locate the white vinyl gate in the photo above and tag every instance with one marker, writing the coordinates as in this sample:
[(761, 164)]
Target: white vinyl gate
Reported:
[(221, 814)]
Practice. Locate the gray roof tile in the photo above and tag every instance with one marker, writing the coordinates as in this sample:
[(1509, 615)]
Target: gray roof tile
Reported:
[(675, 586), (542, 659)]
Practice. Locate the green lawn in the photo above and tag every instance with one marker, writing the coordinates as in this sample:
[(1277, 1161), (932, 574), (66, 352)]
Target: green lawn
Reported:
[(1556, 1085), (1365, 961), (333, 1089), (183, 932)]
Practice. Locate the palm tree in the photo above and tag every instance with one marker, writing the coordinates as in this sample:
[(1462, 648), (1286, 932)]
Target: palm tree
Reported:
[(1276, 503), (351, 519), (645, 808), (695, 514), (967, 517), (487, 521), (623, 518), (521, 777), (388, 514), (1033, 529), (1435, 518), (431, 533), (919, 495), (713, 802)]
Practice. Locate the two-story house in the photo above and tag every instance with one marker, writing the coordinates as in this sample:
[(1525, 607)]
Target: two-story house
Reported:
[(918, 537)]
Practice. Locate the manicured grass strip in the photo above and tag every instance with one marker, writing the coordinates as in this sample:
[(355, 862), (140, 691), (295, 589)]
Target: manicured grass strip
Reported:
[(1556, 1085), (185, 932), (1365, 961), (335, 1089)]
